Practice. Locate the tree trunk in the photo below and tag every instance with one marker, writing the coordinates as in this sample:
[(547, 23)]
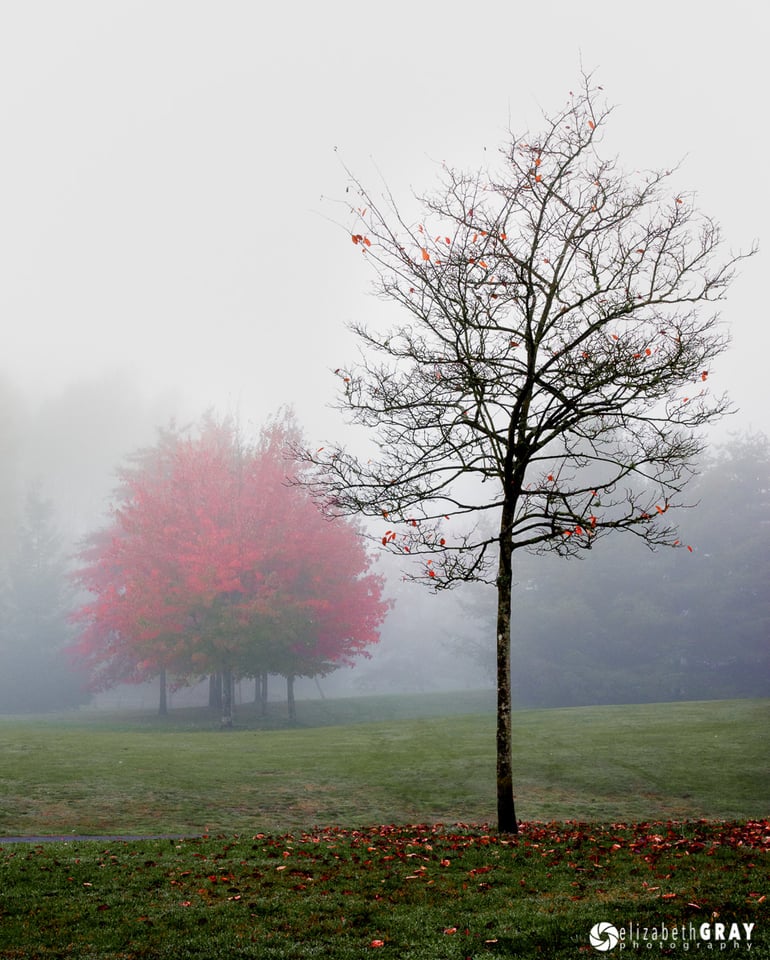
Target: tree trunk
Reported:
[(227, 699), (290, 697), (263, 693), (506, 811), (163, 704), (215, 691)]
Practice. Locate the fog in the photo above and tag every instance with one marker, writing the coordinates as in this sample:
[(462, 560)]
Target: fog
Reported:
[(169, 232)]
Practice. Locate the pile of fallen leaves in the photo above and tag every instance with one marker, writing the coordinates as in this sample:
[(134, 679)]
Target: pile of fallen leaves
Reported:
[(653, 836)]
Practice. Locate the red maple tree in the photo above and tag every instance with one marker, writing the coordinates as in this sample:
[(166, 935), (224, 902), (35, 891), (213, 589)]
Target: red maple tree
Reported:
[(214, 562)]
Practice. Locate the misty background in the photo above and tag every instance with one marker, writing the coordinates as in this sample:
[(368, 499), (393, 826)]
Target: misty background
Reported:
[(173, 241)]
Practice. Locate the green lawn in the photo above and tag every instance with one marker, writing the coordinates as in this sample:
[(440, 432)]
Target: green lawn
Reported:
[(682, 760), (364, 834), (409, 893)]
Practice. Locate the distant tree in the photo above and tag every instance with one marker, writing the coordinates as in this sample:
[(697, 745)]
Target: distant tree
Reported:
[(12, 427), (720, 603), (214, 563), (75, 437), (34, 674), (549, 380)]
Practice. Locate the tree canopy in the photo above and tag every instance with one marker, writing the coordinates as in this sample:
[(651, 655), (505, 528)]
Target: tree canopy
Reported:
[(214, 562)]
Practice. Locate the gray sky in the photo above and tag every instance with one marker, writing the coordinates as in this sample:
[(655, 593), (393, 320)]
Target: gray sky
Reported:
[(163, 165)]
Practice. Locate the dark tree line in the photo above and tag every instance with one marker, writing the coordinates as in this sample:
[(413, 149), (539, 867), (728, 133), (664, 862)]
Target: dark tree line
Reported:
[(627, 625)]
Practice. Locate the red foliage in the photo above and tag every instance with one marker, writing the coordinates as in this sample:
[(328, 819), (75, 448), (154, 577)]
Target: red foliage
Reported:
[(555, 840), (214, 560)]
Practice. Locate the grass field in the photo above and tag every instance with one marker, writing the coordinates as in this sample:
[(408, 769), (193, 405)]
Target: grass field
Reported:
[(302, 842), (135, 774), (409, 893)]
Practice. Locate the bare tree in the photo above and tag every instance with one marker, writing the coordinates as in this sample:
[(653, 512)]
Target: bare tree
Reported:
[(551, 373)]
